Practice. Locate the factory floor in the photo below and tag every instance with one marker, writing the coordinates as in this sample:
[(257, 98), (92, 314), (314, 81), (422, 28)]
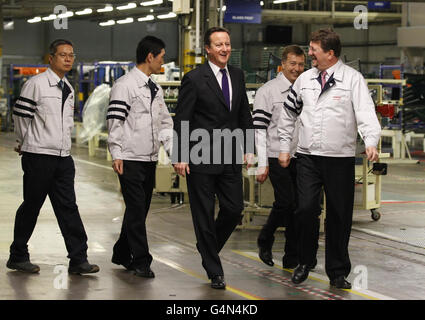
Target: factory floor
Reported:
[(387, 256)]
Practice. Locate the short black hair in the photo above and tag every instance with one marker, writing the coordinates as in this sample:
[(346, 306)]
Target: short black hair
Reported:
[(210, 31), (148, 44), (328, 39), (56, 43), (294, 49)]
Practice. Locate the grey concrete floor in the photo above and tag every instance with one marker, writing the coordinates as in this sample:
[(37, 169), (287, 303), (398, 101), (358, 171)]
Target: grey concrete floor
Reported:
[(388, 256)]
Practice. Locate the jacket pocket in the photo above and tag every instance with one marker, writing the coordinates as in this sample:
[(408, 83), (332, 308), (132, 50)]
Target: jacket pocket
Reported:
[(52, 133)]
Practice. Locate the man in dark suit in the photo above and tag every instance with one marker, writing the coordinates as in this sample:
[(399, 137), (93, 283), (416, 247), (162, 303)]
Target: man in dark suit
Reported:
[(213, 108)]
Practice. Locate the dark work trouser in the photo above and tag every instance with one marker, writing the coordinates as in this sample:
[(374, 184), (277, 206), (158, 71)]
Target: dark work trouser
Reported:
[(336, 175), (137, 182), (53, 176), (211, 235), (283, 181)]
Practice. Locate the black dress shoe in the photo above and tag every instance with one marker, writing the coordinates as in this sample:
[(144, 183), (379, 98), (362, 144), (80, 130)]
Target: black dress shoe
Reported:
[(266, 256), (128, 265), (217, 282), (25, 266), (83, 268), (340, 283), (300, 274), (144, 272)]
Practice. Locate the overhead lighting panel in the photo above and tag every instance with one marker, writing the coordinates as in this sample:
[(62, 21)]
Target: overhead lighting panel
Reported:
[(283, 1), (48, 18), (83, 12), (107, 23), (108, 8), (131, 5), (147, 18), (34, 20), (167, 16), (128, 20), (66, 14), (151, 3)]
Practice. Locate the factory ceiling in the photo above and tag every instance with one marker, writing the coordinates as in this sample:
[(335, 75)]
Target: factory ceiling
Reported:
[(301, 11)]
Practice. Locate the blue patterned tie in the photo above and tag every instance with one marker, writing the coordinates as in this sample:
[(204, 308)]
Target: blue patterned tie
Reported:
[(225, 87)]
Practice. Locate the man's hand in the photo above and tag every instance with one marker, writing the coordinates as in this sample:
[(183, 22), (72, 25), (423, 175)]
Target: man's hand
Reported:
[(118, 166), (372, 154), (181, 168), (18, 148), (284, 159), (262, 173), (249, 159)]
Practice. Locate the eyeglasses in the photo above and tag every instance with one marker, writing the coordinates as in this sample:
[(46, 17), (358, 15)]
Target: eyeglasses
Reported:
[(64, 55)]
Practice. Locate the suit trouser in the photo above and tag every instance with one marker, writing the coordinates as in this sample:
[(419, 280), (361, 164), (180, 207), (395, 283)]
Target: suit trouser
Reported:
[(282, 214), (53, 176), (211, 235), (137, 182), (336, 175)]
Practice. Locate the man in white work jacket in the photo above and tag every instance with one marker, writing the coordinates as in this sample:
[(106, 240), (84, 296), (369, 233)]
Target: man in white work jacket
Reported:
[(268, 106), (138, 122), (333, 103), (44, 118)]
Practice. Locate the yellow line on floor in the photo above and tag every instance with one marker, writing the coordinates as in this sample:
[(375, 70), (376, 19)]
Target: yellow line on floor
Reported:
[(319, 278), (178, 267)]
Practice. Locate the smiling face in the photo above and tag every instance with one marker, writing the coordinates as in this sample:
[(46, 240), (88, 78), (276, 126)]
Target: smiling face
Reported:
[(219, 49), (63, 59), (293, 66), (321, 59)]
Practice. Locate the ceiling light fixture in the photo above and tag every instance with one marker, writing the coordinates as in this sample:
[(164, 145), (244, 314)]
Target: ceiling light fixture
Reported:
[(128, 20), (147, 18), (51, 17), (131, 5), (151, 3), (283, 1), (108, 8), (167, 16), (107, 23), (66, 14), (83, 12), (34, 20)]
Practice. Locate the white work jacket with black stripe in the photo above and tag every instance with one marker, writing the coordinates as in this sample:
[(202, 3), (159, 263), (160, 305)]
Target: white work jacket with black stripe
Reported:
[(329, 118), (43, 124), (268, 105), (136, 125)]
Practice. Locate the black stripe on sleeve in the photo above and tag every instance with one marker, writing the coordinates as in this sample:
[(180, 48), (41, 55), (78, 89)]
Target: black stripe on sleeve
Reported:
[(27, 100), (118, 110), (123, 103), (294, 93), (260, 127), (261, 119), (23, 115), (19, 106), (263, 112), (113, 116)]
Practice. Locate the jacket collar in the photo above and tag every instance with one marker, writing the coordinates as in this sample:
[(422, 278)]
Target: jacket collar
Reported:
[(54, 79), (338, 72), (284, 83), (140, 77)]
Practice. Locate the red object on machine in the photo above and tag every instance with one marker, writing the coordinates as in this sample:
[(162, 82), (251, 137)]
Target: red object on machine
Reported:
[(386, 110)]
